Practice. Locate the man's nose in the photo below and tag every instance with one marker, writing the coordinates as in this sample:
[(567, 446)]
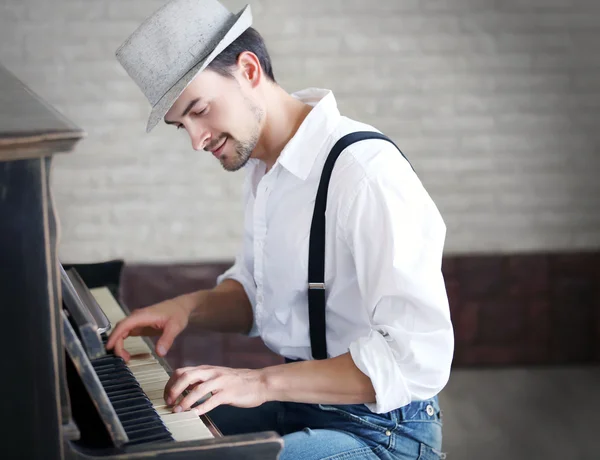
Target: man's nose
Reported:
[(199, 137)]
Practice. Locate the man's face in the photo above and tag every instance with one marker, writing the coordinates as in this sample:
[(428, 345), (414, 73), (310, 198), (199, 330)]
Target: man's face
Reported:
[(219, 117)]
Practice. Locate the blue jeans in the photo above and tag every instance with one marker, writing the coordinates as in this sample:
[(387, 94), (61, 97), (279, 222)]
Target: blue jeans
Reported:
[(335, 432)]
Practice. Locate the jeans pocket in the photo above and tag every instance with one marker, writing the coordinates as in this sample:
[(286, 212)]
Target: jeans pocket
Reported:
[(429, 453)]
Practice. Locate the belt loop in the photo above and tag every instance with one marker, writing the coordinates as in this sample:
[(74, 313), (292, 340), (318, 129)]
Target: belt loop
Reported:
[(396, 415)]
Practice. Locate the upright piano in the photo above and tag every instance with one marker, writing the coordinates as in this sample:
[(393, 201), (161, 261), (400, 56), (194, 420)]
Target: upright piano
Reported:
[(63, 395)]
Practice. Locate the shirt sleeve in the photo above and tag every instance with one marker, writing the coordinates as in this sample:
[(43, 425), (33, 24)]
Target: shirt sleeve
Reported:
[(396, 236), (242, 270)]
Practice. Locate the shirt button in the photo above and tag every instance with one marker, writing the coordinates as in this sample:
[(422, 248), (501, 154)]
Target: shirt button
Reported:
[(388, 433), (429, 410)]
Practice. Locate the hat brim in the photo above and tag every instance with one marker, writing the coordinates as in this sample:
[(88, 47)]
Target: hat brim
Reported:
[(243, 20)]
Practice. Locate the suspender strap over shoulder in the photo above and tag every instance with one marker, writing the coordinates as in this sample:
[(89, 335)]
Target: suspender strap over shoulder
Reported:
[(316, 248)]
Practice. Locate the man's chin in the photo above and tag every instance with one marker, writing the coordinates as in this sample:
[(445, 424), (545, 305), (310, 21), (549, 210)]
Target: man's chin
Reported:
[(230, 164)]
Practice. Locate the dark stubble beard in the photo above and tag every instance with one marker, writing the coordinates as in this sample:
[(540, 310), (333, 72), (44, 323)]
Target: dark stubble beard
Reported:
[(244, 149)]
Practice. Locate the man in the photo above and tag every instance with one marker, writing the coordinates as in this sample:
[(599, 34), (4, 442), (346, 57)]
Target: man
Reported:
[(387, 340)]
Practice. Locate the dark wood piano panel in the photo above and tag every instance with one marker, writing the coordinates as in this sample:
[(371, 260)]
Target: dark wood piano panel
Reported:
[(30, 132), (35, 401)]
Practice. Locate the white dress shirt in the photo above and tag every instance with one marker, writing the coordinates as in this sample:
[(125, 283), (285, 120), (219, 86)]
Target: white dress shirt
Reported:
[(386, 301)]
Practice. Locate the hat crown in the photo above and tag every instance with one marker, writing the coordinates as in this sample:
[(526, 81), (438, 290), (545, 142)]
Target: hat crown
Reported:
[(169, 43)]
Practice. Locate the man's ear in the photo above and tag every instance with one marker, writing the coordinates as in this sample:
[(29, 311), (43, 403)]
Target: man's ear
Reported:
[(249, 68)]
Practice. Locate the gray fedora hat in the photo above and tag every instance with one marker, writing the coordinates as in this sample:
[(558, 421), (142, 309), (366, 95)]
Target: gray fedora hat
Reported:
[(171, 47)]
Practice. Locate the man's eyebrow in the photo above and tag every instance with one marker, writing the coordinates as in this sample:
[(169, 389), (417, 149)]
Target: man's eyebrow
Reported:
[(186, 111)]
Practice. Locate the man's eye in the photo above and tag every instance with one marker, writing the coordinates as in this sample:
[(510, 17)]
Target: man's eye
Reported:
[(203, 111)]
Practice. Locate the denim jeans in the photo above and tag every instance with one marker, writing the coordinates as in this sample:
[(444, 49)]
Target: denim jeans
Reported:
[(320, 431)]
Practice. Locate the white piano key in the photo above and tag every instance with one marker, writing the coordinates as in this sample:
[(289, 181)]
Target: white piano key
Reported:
[(161, 409), (190, 430), (173, 417), (152, 378), (151, 386), (155, 394)]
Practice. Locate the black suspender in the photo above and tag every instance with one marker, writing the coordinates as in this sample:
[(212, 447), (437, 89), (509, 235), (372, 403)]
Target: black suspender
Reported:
[(316, 245)]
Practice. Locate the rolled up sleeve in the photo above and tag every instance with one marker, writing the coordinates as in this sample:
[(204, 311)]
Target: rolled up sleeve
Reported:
[(396, 236)]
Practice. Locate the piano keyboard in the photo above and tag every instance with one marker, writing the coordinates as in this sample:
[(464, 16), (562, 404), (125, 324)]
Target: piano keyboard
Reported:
[(145, 370)]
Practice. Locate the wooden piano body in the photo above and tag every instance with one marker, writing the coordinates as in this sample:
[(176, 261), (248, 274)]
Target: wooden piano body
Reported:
[(36, 398)]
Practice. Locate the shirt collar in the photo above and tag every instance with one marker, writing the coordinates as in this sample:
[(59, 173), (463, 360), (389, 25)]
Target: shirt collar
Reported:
[(300, 153)]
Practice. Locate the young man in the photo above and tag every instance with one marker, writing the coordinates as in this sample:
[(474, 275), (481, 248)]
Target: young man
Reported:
[(387, 340)]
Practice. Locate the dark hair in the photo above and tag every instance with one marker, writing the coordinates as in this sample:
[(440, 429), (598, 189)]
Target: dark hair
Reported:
[(249, 40)]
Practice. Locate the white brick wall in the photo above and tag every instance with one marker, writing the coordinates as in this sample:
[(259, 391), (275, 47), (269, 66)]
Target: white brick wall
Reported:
[(495, 102)]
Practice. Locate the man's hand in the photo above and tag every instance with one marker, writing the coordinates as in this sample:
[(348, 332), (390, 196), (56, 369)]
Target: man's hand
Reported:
[(235, 387), (171, 317)]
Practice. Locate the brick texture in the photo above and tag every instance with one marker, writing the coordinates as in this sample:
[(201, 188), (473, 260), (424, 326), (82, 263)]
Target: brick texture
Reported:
[(495, 102), (525, 309)]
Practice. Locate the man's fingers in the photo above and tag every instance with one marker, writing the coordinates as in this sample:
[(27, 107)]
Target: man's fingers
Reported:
[(120, 349), (176, 375), (166, 340), (209, 404), (185, 379), (119, 332), (136, 321), (201, 391)]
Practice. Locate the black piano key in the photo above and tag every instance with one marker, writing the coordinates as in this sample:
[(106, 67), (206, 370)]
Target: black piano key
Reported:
[(108, 359), (155, 438), (127, 391), (135, 412), (122, 386), (147, 432), (117, 378), (123, 406), (107, 370), (134, 428), (114, 373), (137, 415), (130, 420), (126, 396), (109, 367)]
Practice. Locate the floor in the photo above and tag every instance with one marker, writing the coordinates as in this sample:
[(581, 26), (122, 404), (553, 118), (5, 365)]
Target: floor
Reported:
[(514, 414)]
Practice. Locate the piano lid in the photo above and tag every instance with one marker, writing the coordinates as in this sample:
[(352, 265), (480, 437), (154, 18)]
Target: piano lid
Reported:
[(29, 127)]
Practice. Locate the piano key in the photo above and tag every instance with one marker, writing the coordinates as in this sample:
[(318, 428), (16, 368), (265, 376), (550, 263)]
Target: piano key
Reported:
[(149, 373), (153, 379), (162, 409), (145, 432), (155, 394), (134, 403), (190, 431), (182, 425), (136, 414), (135, 417), (153, 425), (125, 396), (178, 417), (128, 391), (153, 386), (115, 375), (153, 438)]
